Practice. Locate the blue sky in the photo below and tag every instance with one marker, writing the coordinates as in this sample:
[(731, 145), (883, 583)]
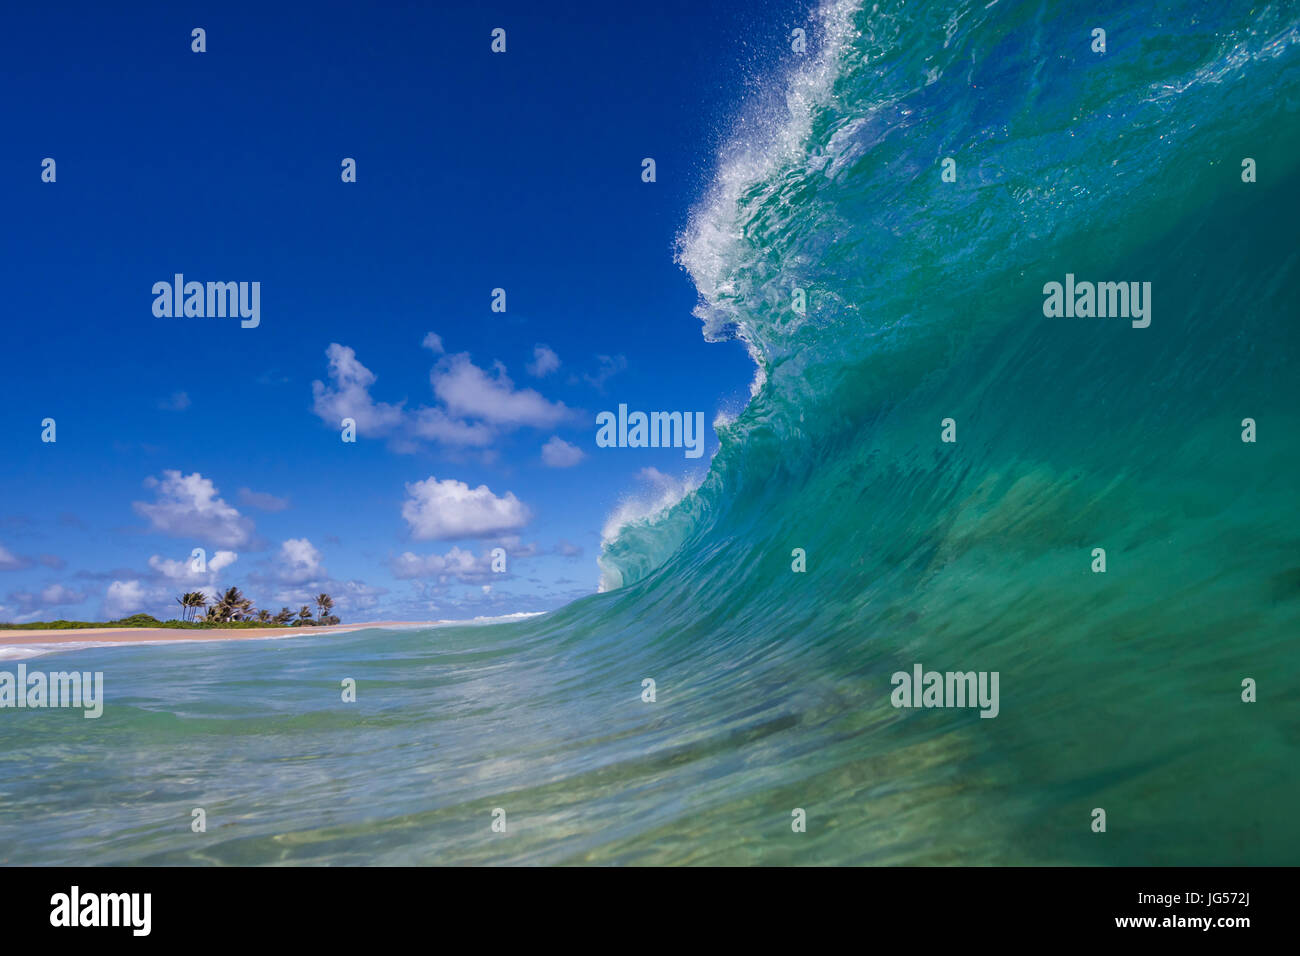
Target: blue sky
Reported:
[(475, 171)]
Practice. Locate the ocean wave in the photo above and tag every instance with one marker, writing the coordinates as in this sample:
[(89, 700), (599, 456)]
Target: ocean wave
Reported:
[(833, 187)]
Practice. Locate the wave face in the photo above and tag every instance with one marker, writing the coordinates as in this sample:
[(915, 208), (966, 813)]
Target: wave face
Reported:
[(1119, 691)]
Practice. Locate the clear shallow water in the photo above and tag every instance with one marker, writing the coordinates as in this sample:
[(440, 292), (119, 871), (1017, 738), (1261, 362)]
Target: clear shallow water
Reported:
[(1118, 691)]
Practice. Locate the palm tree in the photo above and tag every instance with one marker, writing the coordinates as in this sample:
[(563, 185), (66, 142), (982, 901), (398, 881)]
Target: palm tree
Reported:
[(304, 615), (264, 616), (324, 602), (232, 605), (190, 601), (285, 617)]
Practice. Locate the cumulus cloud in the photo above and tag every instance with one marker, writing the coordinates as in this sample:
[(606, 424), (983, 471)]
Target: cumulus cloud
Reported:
[(441, 510), (189, 506), (299, 561), (56, 595), (352, 596), (170, 576), (460, 564), (544, 362), (183, 571), (472, 392), (457, 563), (434, 424), (475, 405), (222, 560), (348, 395), (124, 598), (261, 500), (558, 453)]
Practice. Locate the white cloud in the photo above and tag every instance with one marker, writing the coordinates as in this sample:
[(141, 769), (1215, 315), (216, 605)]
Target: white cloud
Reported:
[(299, 561), (183, 572), (544, 362), (188, 506), (471, 392), (348, 395), (558, 453), (56, 595), (440, 510), (475, 405), (177, 402), (436, 425), (357, 596), (456, 563), (222, 559), (123, 598), (462, 565)]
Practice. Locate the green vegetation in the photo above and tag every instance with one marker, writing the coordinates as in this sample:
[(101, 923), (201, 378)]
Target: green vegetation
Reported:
[(230, 610)]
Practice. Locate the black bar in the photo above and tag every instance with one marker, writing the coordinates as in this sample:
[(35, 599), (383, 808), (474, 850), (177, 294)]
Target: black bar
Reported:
[(343, 906)]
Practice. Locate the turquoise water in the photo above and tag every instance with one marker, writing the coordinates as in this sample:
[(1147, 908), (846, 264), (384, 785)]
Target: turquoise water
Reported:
[(1118, 691)]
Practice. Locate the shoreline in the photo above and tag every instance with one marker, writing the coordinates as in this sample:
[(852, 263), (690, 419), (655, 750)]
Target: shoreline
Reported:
[(155, 635)]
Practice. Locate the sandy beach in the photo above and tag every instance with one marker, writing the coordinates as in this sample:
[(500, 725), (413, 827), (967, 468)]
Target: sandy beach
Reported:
[(139, 635)]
